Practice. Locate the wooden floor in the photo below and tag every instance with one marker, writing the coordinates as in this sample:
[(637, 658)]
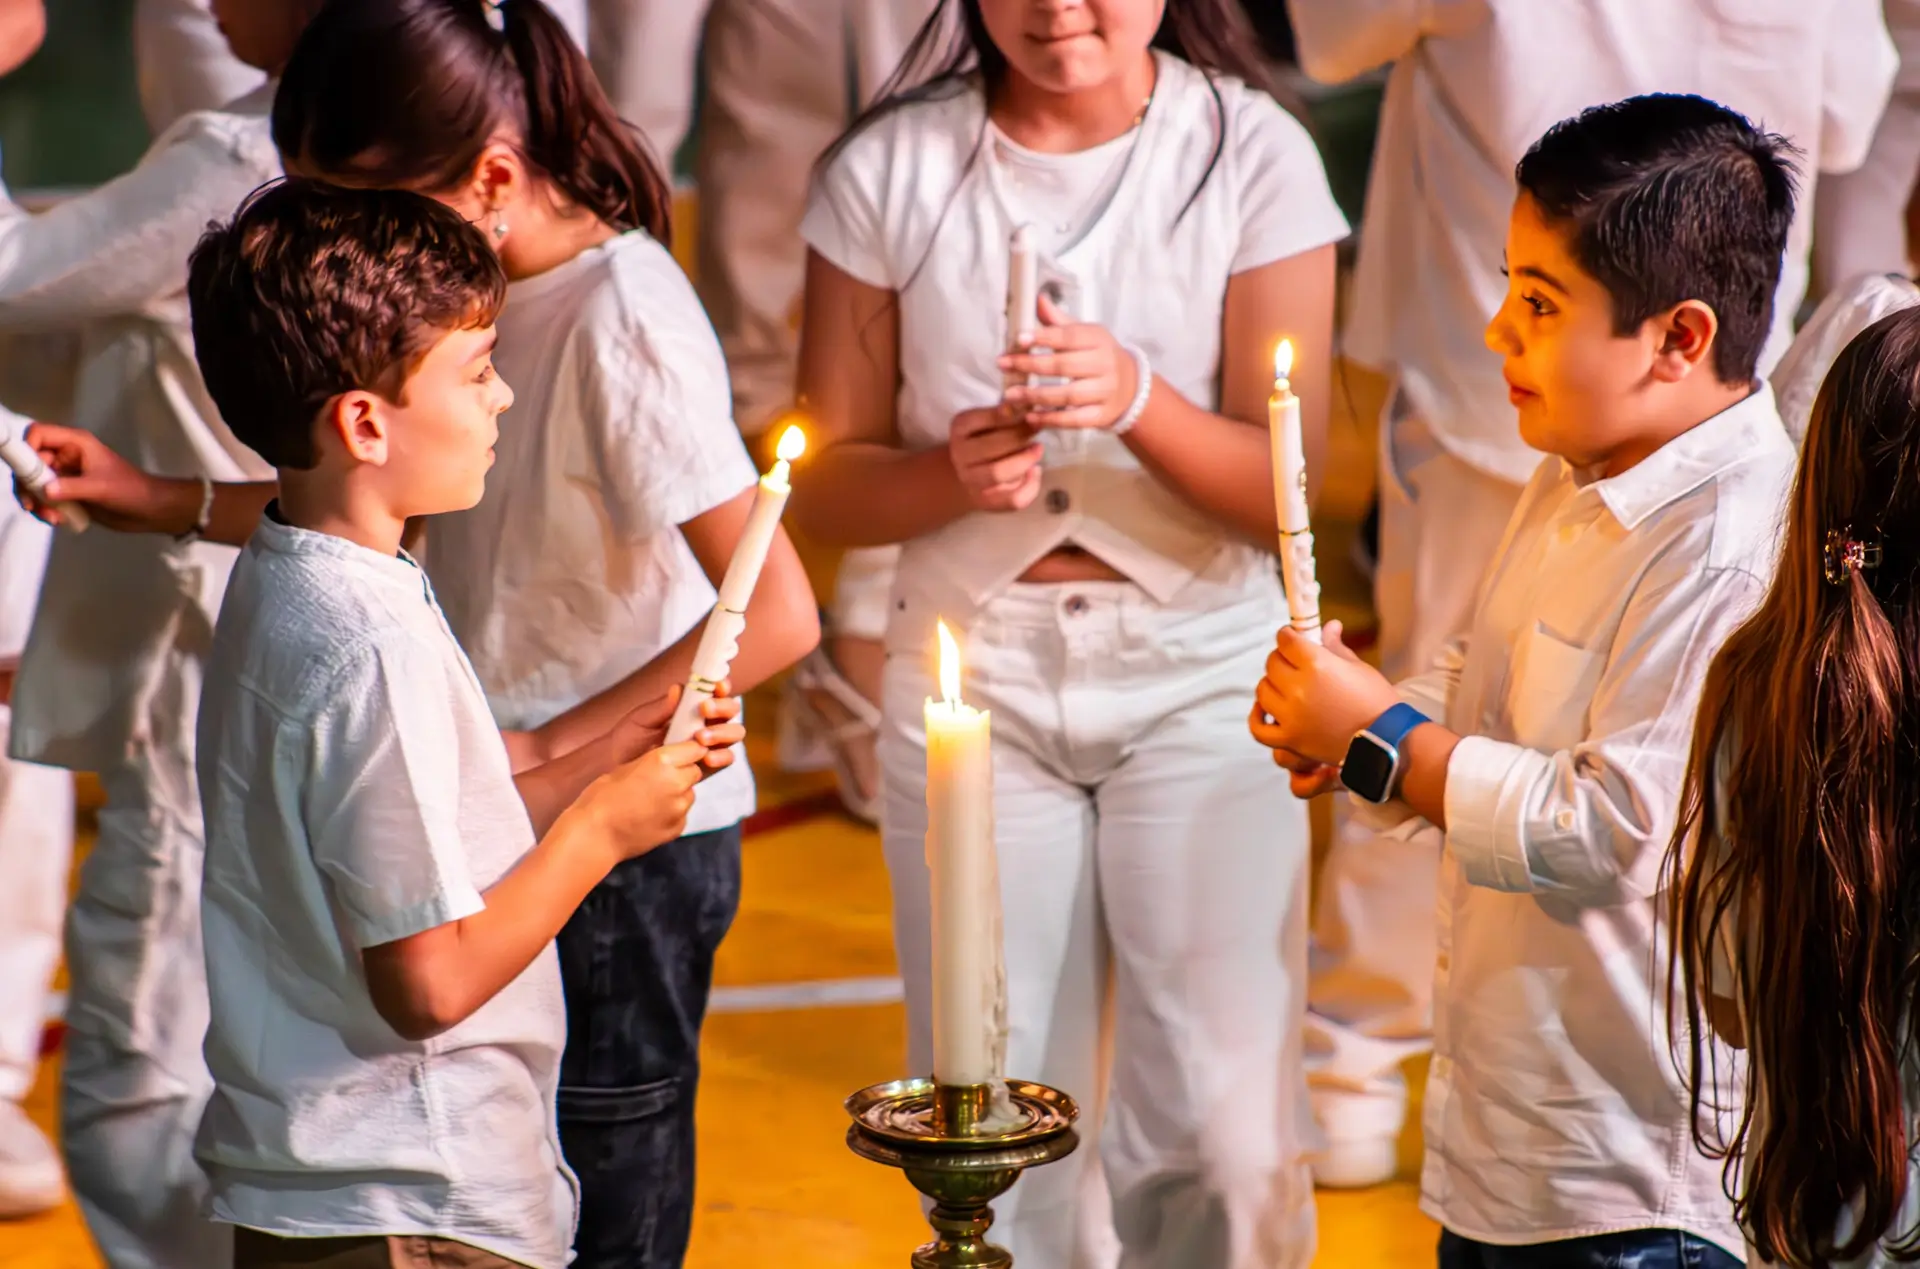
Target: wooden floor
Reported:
[(776, 1182)]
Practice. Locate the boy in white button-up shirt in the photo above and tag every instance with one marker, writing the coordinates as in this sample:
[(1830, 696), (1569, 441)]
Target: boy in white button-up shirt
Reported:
[(1473, 83), (380, 899), (1644, 250)]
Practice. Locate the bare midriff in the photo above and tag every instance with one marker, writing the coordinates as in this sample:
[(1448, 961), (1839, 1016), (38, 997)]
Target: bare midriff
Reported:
[(1071, 563)]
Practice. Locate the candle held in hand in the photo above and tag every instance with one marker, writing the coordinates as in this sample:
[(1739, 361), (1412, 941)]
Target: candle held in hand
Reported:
[(969, 976), (1290, 499), (720, 641), (1023, 294), (35, 475)]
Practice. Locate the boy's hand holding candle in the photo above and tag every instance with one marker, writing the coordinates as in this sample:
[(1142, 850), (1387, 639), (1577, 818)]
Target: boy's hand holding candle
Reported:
[(1314, 699)]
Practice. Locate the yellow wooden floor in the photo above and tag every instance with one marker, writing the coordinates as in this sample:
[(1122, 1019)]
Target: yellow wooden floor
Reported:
[(777, 1184)]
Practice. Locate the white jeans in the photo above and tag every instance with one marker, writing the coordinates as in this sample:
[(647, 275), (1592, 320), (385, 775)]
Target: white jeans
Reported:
[(783, 78), (1860, 217), (1370, 997), (1153, 872), (135, 1079), (644, 52), (36, 846)]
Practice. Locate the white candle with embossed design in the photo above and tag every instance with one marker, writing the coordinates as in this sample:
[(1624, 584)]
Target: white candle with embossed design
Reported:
[(1290, 499)]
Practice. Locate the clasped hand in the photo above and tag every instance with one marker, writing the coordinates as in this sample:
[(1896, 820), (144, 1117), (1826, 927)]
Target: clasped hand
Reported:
[(1312, 702), (996, 452)]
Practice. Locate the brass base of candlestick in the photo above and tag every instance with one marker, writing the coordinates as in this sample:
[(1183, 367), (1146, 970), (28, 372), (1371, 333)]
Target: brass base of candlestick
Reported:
[(962, 1151)]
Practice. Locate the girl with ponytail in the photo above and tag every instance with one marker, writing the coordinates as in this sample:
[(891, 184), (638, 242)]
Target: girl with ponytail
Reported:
[(1795, 872), (579, 583)]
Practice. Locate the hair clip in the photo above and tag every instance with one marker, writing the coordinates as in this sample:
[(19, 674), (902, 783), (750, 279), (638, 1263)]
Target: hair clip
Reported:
[(496, 18), (1846, 554)]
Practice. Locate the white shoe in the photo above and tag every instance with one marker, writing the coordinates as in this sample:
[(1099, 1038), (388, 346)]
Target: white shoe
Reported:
[(31, 1179), (1357, 1163)]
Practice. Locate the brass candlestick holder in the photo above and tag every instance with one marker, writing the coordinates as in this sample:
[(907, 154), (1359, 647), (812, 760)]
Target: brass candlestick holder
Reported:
[(962, 1151)]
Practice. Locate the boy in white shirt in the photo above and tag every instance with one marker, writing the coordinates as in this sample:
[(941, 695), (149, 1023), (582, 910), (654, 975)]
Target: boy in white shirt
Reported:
[(380, 900), (1473, 83), (1549, 744)]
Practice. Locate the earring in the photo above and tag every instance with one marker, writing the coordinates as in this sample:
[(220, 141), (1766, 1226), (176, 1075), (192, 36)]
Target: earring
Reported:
[(499, 230)]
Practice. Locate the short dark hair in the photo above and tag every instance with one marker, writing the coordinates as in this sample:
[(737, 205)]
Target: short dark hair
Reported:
[(1671, 198), (312, 290)]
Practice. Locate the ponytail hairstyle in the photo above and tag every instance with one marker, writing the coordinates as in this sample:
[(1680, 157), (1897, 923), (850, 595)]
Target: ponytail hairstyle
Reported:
[(408, 93), (1798, 841), (953, 50)]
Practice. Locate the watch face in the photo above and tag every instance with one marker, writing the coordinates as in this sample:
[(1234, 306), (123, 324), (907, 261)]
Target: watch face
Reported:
[(1368, 770)]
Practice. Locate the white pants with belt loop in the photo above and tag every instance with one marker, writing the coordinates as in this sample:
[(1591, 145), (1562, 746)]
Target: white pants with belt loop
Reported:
[(1370, 999), (1153, 874)]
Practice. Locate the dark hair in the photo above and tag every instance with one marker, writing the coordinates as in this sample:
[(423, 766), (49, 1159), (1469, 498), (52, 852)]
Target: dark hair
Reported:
[(1808, 744), (409, 92), (948, 55), (312, 290), (1672, 198)]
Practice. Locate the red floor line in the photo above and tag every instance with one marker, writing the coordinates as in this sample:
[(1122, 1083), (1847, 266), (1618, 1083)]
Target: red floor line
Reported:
[(767, 820)]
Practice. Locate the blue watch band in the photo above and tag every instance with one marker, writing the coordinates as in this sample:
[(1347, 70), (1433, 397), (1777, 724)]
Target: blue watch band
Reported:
[(1392, 727)]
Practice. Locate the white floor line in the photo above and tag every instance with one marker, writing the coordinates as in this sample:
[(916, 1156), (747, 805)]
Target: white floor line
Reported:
[(813, 995), (767, 998)]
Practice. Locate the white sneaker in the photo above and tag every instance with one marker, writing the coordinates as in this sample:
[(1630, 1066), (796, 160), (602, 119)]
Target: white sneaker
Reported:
[(1358, 1163), (31, 1179)]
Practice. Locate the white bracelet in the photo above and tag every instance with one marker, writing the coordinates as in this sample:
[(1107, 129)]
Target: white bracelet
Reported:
[(201, 521), (1138, 406)]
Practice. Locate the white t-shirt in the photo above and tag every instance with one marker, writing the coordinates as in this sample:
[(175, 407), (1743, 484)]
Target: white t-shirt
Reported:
[(119, 610), (572, 571), (920, 204), (357, 792)]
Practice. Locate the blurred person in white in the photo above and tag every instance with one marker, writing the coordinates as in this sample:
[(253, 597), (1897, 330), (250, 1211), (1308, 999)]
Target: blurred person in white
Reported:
[(36, 843), (110, 677), (1860, 217), (783, 79), (1473, 83), (646, 53), (184, 63), (36, 815)]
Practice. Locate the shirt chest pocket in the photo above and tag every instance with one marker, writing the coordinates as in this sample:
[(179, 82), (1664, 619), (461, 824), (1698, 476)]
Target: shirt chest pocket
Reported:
[(1551, 691)]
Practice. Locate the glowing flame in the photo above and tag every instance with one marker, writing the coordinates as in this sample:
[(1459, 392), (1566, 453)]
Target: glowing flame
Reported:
[(949, 666), (1283, 359), (793, 443)]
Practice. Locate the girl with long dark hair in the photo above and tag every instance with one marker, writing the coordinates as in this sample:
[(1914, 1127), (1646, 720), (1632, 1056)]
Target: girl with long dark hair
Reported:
[(1103, 535), (1794, 879)]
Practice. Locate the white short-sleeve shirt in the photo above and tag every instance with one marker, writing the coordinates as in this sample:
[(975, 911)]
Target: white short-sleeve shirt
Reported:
[(1219, 180), (357, 792), (572, 572)]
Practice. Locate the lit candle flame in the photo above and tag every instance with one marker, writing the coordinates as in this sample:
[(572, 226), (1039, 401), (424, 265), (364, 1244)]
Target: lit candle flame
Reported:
[(1283, 360), (793, 443), (949, 666)]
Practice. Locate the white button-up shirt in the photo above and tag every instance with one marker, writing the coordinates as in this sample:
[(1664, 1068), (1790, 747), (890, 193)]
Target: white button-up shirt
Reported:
[(1476, 82), (1553, 1108)]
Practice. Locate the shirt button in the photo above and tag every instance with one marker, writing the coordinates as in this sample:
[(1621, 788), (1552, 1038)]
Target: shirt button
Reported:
[(1076, 605), (1058, 501), (1563, 820)]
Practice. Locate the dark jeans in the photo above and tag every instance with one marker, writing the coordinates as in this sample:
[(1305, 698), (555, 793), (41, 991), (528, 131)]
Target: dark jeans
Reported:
[(1636, 1249), (637, 964)]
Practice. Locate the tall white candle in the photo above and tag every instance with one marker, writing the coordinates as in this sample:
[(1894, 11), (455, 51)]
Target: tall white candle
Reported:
[(969, 978), (1290, 499), (720, 641), (35, 475), (1023, 293)]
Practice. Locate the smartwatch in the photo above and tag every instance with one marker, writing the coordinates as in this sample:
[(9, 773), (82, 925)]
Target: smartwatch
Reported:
[(1373, 768)]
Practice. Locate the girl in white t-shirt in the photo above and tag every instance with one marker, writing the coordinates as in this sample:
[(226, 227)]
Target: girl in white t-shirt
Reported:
[(579, 585), (1105, 542), (1795, 871)]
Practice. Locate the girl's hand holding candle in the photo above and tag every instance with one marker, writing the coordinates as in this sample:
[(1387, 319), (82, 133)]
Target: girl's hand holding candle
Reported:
[(720, 641), (1290, 499), (34, 475), (969, 974)]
